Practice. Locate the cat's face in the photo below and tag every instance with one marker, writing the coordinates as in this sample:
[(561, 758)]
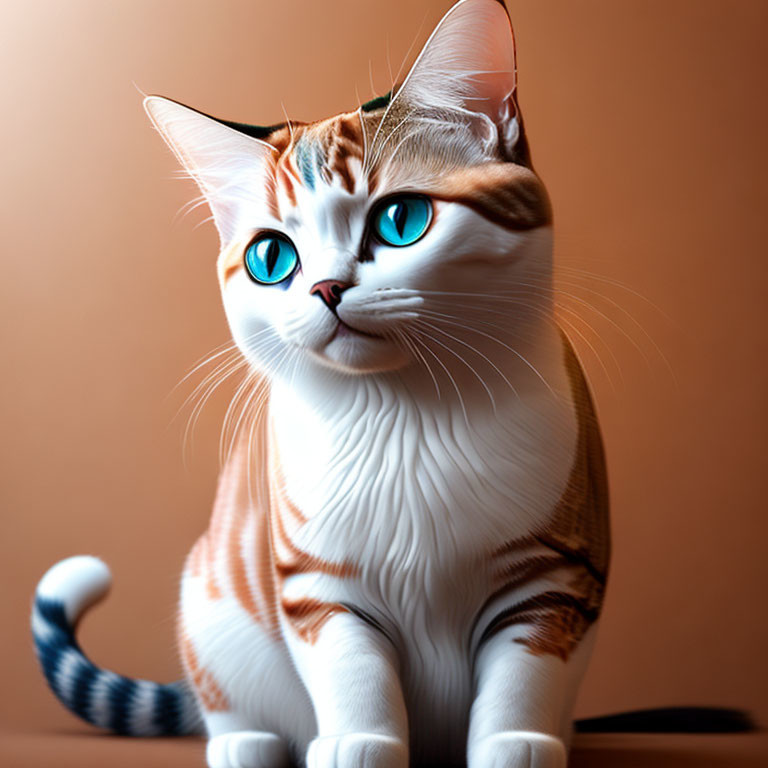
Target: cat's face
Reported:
[(370, 240)]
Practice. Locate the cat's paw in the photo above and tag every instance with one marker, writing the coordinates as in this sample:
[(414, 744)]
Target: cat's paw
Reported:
[(247, 749), (519, 749), (357, 750)]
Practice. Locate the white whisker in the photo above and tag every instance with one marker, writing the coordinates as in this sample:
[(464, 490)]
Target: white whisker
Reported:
[(447, 372), (469, 346), (462, 360)]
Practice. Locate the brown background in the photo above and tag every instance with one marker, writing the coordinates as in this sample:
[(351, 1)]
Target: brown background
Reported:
[(648, 123)]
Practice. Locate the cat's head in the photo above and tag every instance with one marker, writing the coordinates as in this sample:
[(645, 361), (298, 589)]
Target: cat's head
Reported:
[(379, 237)]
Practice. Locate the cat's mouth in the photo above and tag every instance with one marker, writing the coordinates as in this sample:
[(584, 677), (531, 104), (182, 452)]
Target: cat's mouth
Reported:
[(356, 351), (345, 330)]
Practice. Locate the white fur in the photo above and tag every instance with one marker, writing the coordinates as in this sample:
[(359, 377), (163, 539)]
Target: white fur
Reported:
[(247, 749), (430, 427), (401, 511), (78, 582)]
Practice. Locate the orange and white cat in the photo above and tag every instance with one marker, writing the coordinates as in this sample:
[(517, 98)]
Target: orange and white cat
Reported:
[(408, 550)]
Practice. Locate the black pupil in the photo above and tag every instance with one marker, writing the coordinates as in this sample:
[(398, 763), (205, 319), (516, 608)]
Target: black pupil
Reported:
[(399, 216), (273, 251)]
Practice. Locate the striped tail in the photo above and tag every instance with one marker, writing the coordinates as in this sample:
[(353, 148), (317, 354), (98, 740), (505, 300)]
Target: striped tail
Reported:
[(103, 698)]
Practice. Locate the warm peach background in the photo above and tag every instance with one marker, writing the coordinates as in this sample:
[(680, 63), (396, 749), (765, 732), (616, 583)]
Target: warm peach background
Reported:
[(648, 122)]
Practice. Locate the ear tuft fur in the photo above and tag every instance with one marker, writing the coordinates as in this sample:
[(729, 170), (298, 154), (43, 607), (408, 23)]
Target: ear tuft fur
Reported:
[(467, 70), (228, 165)]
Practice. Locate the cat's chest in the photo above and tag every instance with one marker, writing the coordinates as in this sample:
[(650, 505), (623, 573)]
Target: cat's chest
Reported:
[(400, 488)]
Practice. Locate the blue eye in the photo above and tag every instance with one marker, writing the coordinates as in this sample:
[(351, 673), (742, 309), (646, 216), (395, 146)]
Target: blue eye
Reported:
[(403, 220), (271, 259)]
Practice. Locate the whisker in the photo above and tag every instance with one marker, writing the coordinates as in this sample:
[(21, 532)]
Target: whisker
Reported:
[(461, 359), (233, 362), (469, 346), (558, 291), (243, 391), (617, 284), (466, 321), (222, 349), (220, 372), (576, 330), (519, 356), (248, 412), (447, 372), (198, 408), (412, 345)]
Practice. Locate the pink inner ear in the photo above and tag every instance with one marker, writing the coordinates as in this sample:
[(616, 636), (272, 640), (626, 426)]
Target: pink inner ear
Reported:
[(467, 63)]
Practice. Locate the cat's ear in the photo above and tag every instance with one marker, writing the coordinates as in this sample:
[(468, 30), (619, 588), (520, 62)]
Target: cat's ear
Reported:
[(468, 64), (230, 167)]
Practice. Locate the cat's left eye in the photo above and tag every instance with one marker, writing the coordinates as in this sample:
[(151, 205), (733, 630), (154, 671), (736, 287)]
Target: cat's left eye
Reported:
[(402, 220), (271, 258)]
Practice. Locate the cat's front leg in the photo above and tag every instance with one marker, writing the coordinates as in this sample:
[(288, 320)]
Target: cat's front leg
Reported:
[(351, 672), (521, 714)]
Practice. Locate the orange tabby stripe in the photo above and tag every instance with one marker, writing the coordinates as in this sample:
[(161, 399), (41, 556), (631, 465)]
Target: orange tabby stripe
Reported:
[(249, 536), (277, 483), (299, 561), (265, 574), (245, 526), (515, 575), (344, 143), (194, 563), (210, 694), (307, 616), (507, 194), (578, 539), (237, 565), (271, 189), (513, 545), (215, 535), (285, 180)]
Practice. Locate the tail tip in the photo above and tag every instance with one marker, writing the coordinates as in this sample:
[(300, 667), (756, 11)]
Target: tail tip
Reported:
[(77, 582)]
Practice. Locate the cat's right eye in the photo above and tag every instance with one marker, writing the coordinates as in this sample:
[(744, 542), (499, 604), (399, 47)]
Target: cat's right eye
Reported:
[(271, 258), (402, 220)]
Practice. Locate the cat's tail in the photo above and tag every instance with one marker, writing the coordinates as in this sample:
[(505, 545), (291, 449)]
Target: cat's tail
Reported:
[(103, 698), (670, 720)]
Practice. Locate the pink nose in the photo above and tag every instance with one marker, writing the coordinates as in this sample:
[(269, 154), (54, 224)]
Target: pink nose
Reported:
[(330, 292)]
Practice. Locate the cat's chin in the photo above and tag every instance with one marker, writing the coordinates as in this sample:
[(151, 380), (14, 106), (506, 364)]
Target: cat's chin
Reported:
[(360, 353)]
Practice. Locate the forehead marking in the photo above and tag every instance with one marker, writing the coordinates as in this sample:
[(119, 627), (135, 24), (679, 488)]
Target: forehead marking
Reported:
[(309, 159), (345, 143), (323, 153)]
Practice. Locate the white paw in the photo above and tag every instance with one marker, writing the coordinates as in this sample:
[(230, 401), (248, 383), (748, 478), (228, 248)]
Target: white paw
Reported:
[(357, 750), (246, 749), (519, 749)]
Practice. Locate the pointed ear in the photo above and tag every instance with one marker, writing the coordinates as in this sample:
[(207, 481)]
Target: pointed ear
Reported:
[(230, 167), (468, 64)]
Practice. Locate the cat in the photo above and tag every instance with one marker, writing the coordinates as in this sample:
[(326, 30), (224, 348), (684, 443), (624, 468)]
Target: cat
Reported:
[(409, 546)]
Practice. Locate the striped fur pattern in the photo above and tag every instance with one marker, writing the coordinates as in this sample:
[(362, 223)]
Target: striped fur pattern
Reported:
[(409, 545), (103, 698)]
